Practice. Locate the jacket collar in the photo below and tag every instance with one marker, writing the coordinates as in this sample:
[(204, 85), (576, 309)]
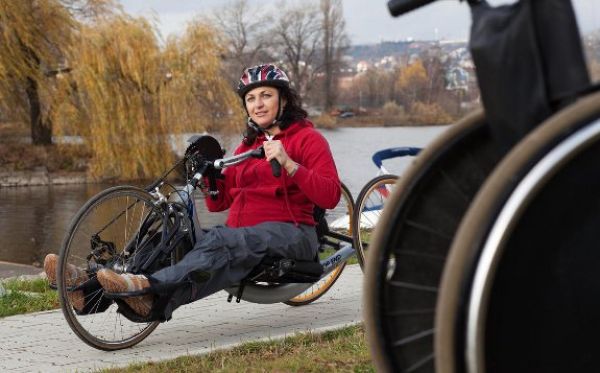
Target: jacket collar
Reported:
[(291, 129)]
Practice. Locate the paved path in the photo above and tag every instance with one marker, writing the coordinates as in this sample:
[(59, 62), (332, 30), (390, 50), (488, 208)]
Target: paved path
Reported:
[(43, 342), (15, 270)]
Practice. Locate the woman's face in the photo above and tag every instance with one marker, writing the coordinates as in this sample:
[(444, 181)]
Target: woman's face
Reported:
[(262, 105)]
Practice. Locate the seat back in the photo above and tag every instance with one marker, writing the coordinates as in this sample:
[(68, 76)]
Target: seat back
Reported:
[(321, 227)]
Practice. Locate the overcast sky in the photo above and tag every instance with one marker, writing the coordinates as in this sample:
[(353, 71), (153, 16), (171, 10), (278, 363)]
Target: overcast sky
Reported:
[(367, 21)]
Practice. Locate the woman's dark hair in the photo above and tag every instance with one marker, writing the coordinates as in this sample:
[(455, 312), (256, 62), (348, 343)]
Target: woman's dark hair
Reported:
[(292, 112)]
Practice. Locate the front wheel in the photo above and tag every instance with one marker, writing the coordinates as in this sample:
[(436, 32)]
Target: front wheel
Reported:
[(339, 220), (369, 205), (105, 228)]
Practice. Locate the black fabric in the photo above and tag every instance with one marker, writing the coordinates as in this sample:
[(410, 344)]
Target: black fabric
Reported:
[(529, 62), (561, 50)]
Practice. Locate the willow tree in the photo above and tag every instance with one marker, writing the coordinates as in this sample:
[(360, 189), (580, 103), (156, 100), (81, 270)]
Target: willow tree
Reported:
[(198, 95), (33, 36), (129, 95)]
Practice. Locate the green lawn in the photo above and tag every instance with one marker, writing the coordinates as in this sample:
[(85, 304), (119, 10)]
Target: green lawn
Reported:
[(25, 296), (343, 350)]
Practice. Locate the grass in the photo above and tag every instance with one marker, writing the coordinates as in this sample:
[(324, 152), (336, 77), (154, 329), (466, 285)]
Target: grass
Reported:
[(26, 296), (342, 350)]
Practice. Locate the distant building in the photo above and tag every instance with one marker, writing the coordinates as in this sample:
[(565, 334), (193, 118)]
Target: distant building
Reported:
[(362, 66), (457, 78)]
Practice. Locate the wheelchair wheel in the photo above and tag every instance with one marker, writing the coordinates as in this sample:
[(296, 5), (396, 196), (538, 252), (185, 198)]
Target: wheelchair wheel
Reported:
[(106, 225), (521, 288), (369, 206), (339, 220), (410, 244)]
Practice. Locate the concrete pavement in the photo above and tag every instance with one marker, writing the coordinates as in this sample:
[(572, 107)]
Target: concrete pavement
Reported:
[(43, 342), (9, 270)]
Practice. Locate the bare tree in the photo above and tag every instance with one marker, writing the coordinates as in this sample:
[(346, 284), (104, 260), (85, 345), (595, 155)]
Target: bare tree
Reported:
[(243, 31), (335, 42), (298, 39)]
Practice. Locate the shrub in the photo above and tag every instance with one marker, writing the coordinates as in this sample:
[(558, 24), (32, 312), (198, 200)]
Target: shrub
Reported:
[(422, 113), (325, 121), (391, 109)]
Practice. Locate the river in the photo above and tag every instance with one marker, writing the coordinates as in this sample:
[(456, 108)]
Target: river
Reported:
[(33, 220)]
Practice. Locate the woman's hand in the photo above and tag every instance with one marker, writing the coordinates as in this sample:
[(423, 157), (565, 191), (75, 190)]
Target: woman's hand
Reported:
[(274, 150)]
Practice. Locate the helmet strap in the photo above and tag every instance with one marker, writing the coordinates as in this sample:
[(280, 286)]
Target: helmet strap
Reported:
[(250, 123)]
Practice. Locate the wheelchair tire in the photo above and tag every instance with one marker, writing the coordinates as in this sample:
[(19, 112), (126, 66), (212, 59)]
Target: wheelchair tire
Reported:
[(369, 206), (410, 244), (115, 215), (345, 208), (520, 290)]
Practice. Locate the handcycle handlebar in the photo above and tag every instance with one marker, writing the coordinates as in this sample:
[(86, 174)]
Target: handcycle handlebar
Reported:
[(399, 7), (199, 161), (222, 163), (379, 156)]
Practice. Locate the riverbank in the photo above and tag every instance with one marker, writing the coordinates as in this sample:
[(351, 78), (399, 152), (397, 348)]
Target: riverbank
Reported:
[(41, 177)]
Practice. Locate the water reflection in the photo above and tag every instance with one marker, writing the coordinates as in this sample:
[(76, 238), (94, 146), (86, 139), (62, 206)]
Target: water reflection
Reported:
[(33, 220)]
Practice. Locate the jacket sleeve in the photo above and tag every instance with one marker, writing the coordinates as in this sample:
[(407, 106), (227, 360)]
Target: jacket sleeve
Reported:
[(317, 175)]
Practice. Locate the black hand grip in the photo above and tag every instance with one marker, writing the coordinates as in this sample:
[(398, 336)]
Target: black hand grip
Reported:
[(275, 167), (399, 7)]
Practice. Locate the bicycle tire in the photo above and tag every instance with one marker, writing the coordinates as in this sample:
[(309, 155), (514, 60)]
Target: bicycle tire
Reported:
[(344, 208), (369, 206), (518, 253), (121, 204), (411, 241)]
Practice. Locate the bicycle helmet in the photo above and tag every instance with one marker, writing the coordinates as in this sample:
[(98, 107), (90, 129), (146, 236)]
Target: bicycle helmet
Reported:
[(262, 75)]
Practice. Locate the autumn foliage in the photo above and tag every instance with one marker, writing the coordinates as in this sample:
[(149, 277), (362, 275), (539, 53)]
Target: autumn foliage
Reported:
[(124, 93)]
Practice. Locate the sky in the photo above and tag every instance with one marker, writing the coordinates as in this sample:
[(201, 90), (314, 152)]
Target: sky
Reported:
[(367, 21)]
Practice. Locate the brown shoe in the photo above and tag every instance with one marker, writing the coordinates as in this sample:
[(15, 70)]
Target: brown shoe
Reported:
[(75, 277), (113, 282)]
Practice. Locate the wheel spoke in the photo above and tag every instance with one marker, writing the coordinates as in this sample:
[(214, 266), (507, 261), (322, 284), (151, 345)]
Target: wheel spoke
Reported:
[(120, 213)]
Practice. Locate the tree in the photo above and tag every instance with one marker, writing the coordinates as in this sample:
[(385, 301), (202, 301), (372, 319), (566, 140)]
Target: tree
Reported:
[(297, 36), (335, 41), (413, 83), (34, 37), (242, 31), (129, 96)]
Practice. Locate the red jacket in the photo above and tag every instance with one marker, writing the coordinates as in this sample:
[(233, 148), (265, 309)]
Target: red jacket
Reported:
[(254, 195)]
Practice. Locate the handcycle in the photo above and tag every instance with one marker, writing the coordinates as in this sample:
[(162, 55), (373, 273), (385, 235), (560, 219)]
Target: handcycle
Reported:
[(372, 198), (485, 259), (136, 230)]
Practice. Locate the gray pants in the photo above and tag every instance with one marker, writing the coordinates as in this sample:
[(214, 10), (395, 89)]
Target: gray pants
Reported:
[(228, 255)]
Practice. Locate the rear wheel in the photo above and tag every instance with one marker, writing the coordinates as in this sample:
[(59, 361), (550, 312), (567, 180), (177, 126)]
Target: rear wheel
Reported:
[(102, 229), (521, 288), (339, 220), (369, 206), (409, 247)]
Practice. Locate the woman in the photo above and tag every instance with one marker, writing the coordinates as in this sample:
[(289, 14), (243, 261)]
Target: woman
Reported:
[(268, 214)]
